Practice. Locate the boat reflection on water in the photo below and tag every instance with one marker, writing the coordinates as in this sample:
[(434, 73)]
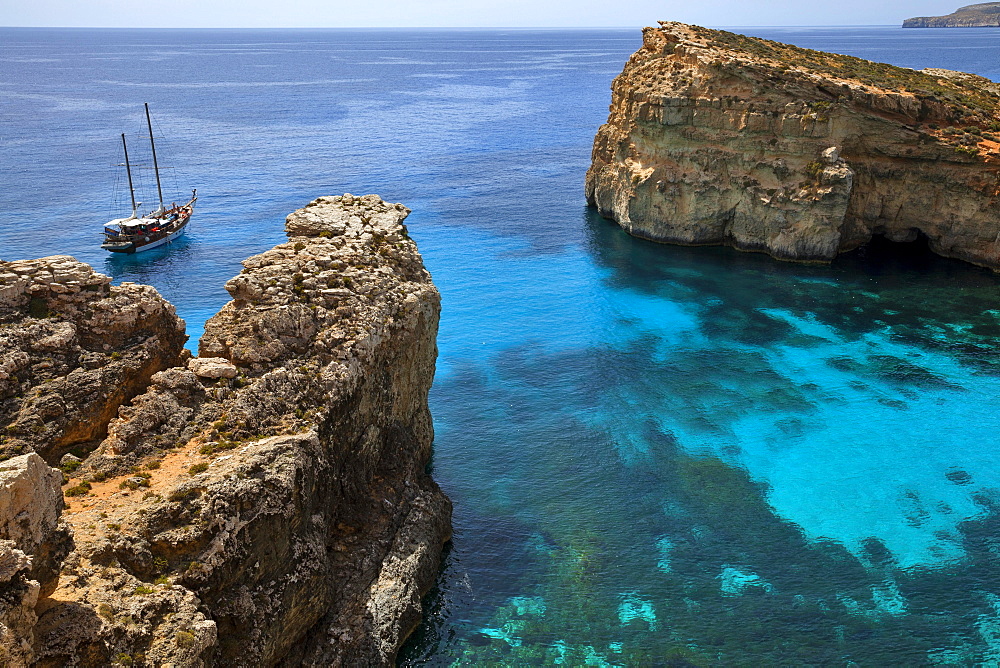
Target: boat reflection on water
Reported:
[(150, 265)]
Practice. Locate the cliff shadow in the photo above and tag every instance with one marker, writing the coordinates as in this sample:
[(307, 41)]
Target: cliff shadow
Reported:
[(884, 257), (924, 299)]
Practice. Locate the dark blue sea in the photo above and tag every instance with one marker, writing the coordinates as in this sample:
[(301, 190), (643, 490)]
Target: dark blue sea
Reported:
[(657, 455)]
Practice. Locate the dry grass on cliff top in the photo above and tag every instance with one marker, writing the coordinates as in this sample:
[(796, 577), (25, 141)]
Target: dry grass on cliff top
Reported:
[(967, 94), (108, 502)]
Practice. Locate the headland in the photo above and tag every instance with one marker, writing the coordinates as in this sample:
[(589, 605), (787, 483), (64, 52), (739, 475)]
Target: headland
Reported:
[(982, 15), (265, 503)]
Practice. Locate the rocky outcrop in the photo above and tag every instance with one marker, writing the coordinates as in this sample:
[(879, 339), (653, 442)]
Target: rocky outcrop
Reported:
[(983, 15), (73, 348), (341, 323), (18, 597), (267, 502), (33, 544), (31, 504), (717, 138)]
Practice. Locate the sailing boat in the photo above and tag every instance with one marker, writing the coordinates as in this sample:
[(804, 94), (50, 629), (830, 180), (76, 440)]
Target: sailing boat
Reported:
[(161, 226)]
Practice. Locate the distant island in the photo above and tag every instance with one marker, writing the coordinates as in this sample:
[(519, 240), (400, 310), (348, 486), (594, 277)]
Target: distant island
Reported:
[(983, 15)]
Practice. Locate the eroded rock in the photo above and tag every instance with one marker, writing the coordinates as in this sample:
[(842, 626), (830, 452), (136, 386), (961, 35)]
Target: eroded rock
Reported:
[(72, 350), (18, 597), (718, 138), (268, 502), (31, 504), (212, 367), (33, 544)]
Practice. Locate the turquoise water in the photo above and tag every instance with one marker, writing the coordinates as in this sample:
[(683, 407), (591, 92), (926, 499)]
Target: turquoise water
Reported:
[(658, 455)]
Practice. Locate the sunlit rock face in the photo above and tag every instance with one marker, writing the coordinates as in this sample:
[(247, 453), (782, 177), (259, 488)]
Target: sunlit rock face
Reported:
[(982, 15), (73, 348), (33, 543), (264, 503), (717, 138)]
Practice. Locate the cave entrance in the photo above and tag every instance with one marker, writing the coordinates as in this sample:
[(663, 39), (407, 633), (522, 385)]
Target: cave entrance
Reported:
[(882, 255)]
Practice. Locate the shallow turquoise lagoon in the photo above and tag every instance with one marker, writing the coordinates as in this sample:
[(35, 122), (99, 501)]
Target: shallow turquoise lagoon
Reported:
[(706, 456), (658, 455)]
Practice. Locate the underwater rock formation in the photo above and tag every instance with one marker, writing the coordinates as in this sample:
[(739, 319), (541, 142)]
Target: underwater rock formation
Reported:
[(718, 138), (267, 502), (983, 15)]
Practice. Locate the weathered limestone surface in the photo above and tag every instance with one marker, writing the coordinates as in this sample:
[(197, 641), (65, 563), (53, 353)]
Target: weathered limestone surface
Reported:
[(267, 502), (716, 138), (982, 15), (31, 503), (348, 299), (212, 367), (33, 544), (18, 598), (72, 350)]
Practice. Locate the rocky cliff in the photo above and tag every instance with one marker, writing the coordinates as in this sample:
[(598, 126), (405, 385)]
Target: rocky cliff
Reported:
[(72, 350), (33, 543), (266, 503), (717, 138), (983, 15)]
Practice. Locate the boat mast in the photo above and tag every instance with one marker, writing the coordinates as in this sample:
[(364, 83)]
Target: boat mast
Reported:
[(152, 145), (128, 170)]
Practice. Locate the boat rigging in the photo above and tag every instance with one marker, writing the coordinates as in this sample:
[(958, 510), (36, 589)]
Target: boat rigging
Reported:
[(161, 226)]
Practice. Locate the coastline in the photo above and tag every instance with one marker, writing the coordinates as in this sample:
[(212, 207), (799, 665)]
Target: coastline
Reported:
[(209, 505)]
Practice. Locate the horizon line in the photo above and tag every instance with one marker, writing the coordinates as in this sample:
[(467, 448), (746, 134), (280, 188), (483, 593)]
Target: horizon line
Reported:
[(375, 27)]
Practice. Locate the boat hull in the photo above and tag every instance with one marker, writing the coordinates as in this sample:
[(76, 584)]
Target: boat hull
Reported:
[(146, 243), (139, 233), (129, 239)]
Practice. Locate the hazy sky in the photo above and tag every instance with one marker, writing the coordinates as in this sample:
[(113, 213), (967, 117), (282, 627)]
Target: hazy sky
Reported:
[(447, 13)]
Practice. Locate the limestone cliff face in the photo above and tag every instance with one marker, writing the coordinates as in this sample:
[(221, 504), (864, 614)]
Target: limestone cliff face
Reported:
[(982, 15), (717, 138), (72, 350), (33, 543), (267, 503)]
